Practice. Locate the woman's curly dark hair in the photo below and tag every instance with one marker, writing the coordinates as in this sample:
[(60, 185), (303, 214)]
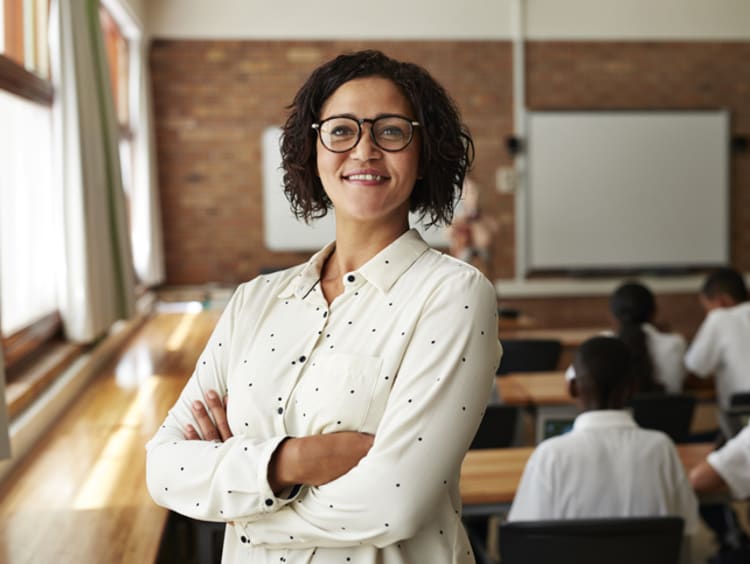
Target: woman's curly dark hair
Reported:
[(447, 149)]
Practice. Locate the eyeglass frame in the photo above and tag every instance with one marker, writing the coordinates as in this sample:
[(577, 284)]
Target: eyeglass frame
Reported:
[(413, 123)]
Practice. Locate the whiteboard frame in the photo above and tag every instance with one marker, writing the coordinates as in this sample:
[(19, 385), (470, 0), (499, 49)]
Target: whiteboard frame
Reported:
[(536, 261)]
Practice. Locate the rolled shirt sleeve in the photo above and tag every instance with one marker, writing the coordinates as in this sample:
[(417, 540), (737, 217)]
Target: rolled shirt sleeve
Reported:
[(732, 462), (206, 480)]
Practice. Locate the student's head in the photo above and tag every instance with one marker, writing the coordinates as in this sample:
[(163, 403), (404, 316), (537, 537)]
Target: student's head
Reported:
[(724, 287), (442, 147), (603, 374), (632, 303)]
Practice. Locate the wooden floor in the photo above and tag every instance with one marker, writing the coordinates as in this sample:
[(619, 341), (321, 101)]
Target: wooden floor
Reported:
[(80, 496)]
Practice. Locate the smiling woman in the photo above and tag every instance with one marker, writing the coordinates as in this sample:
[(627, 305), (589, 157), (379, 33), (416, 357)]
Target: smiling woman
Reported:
[(355, 381)]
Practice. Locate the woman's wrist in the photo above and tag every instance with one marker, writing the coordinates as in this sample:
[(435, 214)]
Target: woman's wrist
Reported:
[(283, 465)]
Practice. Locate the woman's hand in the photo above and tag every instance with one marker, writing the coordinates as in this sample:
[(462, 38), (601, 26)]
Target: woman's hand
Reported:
[(211, 430), (317, 459)]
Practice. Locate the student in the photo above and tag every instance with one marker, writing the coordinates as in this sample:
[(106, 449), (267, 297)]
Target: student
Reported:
[(721, 345), (657, 357), (726, 468), (606, 466)]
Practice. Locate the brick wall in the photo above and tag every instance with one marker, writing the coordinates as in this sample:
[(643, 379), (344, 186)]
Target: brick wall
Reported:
[(214, 98), (212, 102)]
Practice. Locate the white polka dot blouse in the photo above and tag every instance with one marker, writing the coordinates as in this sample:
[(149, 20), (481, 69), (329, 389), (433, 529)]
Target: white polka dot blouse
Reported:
[(408, 353)]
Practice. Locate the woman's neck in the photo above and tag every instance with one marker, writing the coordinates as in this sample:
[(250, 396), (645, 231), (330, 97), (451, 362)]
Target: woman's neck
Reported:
[(357, 244)]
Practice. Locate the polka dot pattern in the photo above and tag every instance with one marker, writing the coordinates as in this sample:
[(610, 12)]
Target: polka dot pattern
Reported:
[(408, 327)]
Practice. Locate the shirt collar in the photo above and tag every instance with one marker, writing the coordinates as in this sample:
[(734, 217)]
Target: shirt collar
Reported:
[(382, 270), (385, 268), (604, 418)]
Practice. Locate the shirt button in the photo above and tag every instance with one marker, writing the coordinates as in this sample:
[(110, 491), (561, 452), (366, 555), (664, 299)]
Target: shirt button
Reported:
[(351, 278), (303, 358), (279, 411), (243, 539), (269, 502)]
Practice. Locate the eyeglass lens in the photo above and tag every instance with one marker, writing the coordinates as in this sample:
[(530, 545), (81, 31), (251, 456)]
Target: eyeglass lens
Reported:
[(391, 133)]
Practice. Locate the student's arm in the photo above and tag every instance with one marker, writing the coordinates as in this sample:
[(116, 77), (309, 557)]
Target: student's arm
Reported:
[(432, 414), (705, 479), (704, 353), (731, 464)]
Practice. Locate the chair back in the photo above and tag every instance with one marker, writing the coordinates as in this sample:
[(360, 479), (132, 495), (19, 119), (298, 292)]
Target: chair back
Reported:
[(498, 427), (529, 355), (737, 416), (740, 399), (669, 413), (627, 540)]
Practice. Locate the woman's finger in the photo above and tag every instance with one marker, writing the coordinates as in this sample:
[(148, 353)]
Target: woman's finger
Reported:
[(219, 412), (190, 433), (208, 430)]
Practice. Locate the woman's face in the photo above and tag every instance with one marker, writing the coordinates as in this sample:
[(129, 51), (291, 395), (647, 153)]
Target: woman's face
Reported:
[(366, 184)]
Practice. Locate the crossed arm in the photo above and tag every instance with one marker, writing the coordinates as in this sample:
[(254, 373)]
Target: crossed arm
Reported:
[(313, 460)]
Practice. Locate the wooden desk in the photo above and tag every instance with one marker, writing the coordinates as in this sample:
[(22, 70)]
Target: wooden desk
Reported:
[(80, 495), (491, 477), (534, 389)]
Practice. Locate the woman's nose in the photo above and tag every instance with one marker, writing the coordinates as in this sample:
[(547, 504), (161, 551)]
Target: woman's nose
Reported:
[(366, 149)]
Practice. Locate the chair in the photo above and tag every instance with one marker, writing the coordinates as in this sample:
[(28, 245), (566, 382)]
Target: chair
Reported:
[(627, 540), (670, 413), (737, 416), (529, 355), (740, 399), (498, 427)]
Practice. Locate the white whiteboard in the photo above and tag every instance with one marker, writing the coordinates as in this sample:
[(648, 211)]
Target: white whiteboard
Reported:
[(611, 190), (284, 232)]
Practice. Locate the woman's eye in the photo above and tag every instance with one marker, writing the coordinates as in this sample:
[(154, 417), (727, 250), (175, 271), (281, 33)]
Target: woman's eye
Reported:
[(342, 131), (392, 132)]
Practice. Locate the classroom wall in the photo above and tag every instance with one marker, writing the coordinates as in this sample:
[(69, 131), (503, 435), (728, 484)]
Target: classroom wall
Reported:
[(214, 96), (468, 19)]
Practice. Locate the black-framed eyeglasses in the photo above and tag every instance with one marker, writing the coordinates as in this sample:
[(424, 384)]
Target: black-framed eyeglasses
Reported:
[(389, 132)]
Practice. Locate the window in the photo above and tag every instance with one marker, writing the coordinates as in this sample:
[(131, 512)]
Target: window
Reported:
[(23, 31), (117, 48), (28, 209)]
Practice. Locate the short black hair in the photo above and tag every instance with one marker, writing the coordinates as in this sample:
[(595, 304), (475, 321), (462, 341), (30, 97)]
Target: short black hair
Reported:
[(447, 149), (725, 281), (604, 375)]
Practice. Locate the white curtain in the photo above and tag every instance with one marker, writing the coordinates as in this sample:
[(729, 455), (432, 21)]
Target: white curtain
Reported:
[(98, 283), (4, 435), (145, 217)]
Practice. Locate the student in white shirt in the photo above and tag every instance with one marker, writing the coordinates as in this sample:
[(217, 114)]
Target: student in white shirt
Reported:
[(657, 355), (606, 466), (356, 381), (726, 468), (722, 345)]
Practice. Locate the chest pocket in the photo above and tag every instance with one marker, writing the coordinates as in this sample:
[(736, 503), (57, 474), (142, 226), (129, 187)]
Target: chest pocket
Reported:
[(335, 394)]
